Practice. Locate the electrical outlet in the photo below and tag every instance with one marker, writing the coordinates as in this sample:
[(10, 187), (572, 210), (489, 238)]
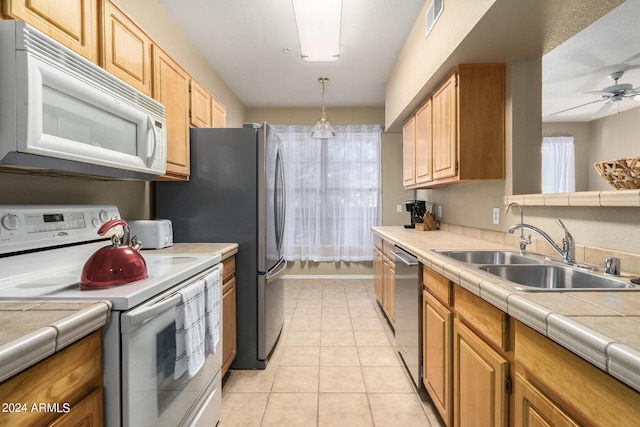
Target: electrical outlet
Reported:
[(496, 215), (439, 211), (399, 208)]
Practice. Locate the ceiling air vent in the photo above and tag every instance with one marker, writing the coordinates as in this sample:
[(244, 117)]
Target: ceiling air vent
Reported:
[(432, 15)]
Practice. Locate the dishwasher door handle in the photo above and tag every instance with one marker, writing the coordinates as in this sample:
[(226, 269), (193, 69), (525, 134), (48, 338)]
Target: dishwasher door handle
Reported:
[(406, 258)]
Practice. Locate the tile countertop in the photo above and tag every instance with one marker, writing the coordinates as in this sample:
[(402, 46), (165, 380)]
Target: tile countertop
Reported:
[(224, 249), (602, 327), (34, 330)]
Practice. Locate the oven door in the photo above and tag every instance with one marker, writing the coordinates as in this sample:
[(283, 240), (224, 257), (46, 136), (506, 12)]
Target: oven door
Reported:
[(150, 394)]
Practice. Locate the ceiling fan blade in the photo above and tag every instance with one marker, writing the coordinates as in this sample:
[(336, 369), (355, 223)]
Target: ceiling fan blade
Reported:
[(603, 110), (578, 106)]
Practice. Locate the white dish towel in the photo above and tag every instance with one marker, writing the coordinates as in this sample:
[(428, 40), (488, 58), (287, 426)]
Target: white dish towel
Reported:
[(213, 305), (190, 330)]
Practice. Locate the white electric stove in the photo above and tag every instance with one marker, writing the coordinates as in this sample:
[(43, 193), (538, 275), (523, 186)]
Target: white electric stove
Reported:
[(42, 252)]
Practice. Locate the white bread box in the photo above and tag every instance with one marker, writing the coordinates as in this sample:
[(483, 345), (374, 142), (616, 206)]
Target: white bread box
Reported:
[(153, 233)]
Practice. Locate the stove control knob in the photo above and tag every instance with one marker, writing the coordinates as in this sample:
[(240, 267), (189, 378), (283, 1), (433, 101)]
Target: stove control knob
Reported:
[(96, 222), (104, 216), (11, 222)]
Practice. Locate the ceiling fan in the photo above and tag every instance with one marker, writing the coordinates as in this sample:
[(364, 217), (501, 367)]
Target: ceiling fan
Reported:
[(610, 95)]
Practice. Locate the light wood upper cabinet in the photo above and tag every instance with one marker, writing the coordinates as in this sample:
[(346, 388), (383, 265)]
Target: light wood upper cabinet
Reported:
[(201, 114), (126, 49), (445, 147), (463, 123), (219, 114), (480, 375), (73, 23), (423, 144), (408, 152), (171, 88)]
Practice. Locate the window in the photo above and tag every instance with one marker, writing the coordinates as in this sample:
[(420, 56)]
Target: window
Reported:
[(333, 193), (558, 164)]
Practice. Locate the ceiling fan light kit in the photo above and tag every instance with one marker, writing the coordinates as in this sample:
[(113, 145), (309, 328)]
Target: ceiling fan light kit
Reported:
[(318, 23), (323, 128)]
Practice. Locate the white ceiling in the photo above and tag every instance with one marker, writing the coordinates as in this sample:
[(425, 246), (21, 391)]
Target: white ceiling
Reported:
[(244, 41), (584, 62)]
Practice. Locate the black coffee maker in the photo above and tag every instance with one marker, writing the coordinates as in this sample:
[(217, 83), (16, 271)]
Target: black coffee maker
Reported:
[(417, 208)]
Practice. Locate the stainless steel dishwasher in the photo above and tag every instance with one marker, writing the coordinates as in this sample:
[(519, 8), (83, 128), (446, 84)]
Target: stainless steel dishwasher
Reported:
[(408, 312)]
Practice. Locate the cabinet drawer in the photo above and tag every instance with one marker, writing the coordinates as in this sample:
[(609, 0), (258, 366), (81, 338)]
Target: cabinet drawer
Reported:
[(491, 323), (439, 286)]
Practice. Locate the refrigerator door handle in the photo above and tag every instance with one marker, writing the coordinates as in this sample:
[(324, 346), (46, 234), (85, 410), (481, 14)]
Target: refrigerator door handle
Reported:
[(277, 271), (280, 202)]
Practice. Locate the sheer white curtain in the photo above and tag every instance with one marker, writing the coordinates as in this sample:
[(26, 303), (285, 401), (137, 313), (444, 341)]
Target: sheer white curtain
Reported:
[(558, 164), (333, 193)]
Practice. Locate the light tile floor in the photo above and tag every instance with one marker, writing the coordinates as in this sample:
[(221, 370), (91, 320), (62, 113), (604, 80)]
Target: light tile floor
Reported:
[(334, 365)]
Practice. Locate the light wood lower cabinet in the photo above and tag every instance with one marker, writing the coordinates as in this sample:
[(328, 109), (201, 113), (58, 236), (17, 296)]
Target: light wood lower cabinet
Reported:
[(555, 387), (480, 377), (385, 277), (437, 323), (229, 337), (378, 273), (70, 381), (73, 23), (534, 409), (389, 289)]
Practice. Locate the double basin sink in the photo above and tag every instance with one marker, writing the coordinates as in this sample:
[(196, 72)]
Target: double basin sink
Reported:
[(535, 273)]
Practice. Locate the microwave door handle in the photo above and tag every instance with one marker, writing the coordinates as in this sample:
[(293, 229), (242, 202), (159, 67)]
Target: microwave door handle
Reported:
[(151, 128), (132, 320)]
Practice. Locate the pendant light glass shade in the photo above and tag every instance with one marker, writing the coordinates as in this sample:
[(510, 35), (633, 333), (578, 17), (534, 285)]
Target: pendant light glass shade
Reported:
[(323, 128)]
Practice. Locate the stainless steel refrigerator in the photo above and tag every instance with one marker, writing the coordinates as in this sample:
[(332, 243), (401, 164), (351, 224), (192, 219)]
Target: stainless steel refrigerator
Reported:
[(236, 194)]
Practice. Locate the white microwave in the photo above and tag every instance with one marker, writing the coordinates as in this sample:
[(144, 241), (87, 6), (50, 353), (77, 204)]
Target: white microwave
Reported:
[(61, 113)]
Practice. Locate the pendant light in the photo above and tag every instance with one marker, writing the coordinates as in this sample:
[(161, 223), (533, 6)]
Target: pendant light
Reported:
[(323, 128)]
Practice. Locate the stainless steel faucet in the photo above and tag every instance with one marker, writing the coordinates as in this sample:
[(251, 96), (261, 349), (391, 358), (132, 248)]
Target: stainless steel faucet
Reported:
[(524, 241), (568, 249)]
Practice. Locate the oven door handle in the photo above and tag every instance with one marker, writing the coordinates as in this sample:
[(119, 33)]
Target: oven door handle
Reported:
[(133, 319)]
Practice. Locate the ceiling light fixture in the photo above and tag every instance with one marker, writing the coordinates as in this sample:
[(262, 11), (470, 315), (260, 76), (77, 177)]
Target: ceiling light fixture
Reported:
[(323, 128), (318, 23)]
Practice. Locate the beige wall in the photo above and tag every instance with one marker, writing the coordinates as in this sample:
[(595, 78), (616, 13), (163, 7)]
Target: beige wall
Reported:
[(392, 192), (133, 198)]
